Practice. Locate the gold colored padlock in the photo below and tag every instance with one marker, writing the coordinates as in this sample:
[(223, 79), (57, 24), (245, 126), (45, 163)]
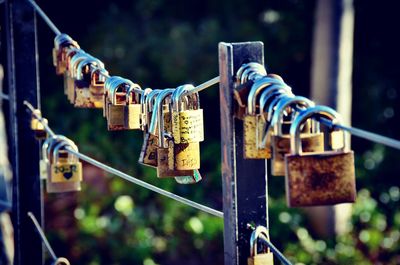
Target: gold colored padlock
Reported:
[(133, 108), (318, 178), (68, 80), (53, 150), (65, 167), (116, 88), (265, 258), (37, 125), (187, 119), (186, 156), (72, 72), (310, 141), (96, 87), (250, 129)]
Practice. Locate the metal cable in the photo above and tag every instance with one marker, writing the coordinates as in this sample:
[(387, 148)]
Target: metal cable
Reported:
[(128, 177), (45, 17), (42, 235)]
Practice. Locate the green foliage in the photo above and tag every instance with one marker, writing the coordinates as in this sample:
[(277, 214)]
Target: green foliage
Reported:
[(162, 44)]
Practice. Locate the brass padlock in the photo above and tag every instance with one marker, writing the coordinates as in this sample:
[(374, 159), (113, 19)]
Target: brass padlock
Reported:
[(165, 151), (62, 43), (68, 80), (72, 72), (311, 141), (265, 258), (187, 119), (83, 78), (133, 107), (318, 178), (37, 125), (250, 149), (65, 169), (96, 87), (57, 187), (263, 132), (115, 103)]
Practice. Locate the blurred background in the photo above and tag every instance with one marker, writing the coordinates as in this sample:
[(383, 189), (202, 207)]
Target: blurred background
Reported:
[(160, 44)]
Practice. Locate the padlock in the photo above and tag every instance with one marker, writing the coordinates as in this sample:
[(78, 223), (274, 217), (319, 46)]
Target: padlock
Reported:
[(37, 125), (115, 103), (72, 72), (144, 110), (269, 98), (62, 43), (65, 169), (96, 87), (250, 149), (148, 153), (68, 80), (61, 261), (57, 187), (165, 151), (133, 107), (265, 258), (280, 142), (318, 178), (83, 78), (187, 120)]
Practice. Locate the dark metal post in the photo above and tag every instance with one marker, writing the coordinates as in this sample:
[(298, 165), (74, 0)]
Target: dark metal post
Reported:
[(22, 75), (244, 182)]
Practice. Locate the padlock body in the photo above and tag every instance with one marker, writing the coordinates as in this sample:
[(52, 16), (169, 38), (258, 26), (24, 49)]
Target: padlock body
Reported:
[(310, 142), (320, 179), (115, 117), (59, 187), (188, 126), (132, 116), (192, 179), (66, 172), (261, 259), (186, 156), (148, 153), (164, 160), (250, 150)]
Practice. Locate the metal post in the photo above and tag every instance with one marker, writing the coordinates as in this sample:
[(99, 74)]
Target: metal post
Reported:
[(244, 182), (22, 74)]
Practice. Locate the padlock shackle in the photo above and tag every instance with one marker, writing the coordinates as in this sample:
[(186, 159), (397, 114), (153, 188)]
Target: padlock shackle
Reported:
[(116, 84), (68, 58), (75, 60), (61, 261), (282, 105), (63, 144), (156, 109), (255, 235), (57, 139), (88, 61), (133, 89), (178, 94), (266, 95), (272, 106), (46, 145), (248, 70), (98, 75), (316, 111), (257, 87), (65, 41)]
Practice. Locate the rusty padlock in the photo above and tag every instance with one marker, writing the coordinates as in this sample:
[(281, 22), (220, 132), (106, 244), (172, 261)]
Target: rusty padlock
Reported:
[(250, 149), (68, 80), (62, 43), (83, 79), (280, 142), (318, 178), (148, 153)]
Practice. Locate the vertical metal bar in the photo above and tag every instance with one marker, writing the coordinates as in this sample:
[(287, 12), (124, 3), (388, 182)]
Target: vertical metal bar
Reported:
[(244, 182), (23, 80)]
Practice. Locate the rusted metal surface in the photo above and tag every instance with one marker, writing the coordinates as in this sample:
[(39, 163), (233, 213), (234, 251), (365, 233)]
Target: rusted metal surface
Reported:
[(320, 179)]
